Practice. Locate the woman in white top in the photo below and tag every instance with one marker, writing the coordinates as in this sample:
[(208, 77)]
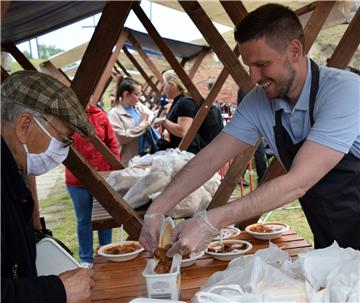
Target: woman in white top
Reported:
[(129, 119)]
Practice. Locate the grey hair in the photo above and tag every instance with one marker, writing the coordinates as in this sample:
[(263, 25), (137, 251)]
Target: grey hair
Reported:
[(10, 110)]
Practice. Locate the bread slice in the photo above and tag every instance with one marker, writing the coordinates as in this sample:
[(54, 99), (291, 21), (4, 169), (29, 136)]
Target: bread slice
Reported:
[(165, 232)]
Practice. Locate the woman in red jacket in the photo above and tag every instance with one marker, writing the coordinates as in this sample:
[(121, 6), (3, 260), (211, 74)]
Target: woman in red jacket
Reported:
[(83, 198)]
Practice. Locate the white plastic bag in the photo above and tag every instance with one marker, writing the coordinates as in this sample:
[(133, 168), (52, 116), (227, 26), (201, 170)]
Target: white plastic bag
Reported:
[(253, 281)]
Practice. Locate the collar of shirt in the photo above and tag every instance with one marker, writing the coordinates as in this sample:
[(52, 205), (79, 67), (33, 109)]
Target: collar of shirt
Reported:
[(10, 174), (302, 103)]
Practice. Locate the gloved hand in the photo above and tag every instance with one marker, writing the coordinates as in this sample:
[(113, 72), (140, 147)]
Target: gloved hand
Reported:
[(149, 236), (194, 234)]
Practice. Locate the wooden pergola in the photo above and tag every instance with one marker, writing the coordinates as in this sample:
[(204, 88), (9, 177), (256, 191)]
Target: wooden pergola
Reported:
[(93, 75)]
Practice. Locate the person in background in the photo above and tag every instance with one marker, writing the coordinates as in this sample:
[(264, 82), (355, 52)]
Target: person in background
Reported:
[(310, 117), (261, 163), (38, 118), (81, 197), (181, 113), (130, 119)]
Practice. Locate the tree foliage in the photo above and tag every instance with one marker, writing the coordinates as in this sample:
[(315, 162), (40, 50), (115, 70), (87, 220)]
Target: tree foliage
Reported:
[(47, 51)]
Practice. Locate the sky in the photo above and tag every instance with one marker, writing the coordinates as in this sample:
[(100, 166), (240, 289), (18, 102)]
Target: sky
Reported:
[(170, 23)]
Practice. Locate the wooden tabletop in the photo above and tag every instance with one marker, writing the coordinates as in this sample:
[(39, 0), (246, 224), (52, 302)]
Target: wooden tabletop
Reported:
[(123, 281)]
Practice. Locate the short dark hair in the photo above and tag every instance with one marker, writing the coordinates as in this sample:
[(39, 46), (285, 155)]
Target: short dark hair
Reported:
[(125, 85), (275, 22)]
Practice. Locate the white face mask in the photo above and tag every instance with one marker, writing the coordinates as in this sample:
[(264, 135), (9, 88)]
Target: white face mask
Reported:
[(54, 155)]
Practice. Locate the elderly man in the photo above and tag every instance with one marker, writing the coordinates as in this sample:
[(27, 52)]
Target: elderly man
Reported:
[(38, 117), (308, 114)]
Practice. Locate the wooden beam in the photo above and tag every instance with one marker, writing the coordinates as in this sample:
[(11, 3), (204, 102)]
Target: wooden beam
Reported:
[(89, 72), (5, 5), (205, 107), (232, 177), (98, 144), (316, 22), (48, 66), (123, 68), (104, 79), (106, 152), (348, 44), (140, 69), (4, 74), (184, 61), (185, 79), (197, 61), (235, 10), (145, 58), (100, 47), (18, 55), (306, 8), (64, 74), (274, 170), (217, 43), (104, 193)]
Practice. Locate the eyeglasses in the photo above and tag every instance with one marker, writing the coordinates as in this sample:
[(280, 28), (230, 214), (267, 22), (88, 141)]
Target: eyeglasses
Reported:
[(66, 141)]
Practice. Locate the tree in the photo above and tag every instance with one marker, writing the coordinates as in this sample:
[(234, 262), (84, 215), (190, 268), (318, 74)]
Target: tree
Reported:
[(46, 51)]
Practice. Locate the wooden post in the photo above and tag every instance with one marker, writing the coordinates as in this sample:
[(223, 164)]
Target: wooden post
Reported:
[(18, 55), (185, 79), (48, 66), (218, 44), (200, 57), (347, 45), (316, 21)]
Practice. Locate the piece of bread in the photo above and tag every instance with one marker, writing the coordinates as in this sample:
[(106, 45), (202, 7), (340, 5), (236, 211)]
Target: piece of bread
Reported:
[(165, 235)]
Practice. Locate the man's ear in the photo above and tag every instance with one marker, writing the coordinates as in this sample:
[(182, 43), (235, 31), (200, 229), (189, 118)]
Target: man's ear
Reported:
[(23, 126), (295, 50)]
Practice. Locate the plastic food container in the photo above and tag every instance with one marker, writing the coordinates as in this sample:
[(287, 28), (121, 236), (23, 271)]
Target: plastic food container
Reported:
[(52, 259), (271, 230), (162, 286)]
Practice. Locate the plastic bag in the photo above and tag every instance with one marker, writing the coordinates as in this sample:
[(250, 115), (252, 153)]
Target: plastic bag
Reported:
[(253, 281)]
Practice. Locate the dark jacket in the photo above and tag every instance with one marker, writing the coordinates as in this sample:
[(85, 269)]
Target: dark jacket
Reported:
[(19, 281)]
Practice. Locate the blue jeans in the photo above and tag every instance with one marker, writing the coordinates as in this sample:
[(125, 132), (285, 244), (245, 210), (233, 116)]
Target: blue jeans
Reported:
[(83, 201)]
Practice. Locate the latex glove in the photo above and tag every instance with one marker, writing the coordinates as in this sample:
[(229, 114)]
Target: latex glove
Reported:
[(194, 234), (149, 236), (78, 284)]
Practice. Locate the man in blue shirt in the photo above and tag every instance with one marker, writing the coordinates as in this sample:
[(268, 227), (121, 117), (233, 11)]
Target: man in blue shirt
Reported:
[(308, 114)]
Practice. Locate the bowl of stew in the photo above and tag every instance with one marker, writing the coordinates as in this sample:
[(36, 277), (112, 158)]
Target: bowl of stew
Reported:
[(266, 231), (227, 250), (121, 251)]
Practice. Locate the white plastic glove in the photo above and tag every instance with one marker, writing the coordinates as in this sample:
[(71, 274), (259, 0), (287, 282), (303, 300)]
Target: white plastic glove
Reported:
[(194, 234), (149, 236)]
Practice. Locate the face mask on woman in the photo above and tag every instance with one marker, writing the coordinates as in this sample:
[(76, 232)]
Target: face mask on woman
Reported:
[(55, 154)]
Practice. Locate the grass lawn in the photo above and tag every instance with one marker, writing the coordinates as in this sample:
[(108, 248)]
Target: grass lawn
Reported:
[(60, 218)]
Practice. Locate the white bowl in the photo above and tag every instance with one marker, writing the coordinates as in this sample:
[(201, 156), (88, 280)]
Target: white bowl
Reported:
[(227, 256), (120, 257), (228, 232), (193, 257), (280, 228)]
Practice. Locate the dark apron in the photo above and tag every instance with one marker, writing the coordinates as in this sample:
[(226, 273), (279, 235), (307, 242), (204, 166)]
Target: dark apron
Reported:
[(331, 206)]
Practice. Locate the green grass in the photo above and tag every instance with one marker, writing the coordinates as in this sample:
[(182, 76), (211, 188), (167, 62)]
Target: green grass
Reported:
[(60, 218)]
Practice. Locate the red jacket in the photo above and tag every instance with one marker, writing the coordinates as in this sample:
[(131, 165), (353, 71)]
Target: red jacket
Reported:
[(105, 133)]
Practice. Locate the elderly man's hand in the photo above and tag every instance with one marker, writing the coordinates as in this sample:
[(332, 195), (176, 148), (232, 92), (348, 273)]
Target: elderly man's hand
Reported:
[(194, 234), (149, 237), (78, 284)]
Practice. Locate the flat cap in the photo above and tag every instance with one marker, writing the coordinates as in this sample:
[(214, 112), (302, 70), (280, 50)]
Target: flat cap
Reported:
[(45, 94)]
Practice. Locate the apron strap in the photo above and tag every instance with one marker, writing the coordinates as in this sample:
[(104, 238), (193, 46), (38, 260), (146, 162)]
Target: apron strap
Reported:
[(314, 88)]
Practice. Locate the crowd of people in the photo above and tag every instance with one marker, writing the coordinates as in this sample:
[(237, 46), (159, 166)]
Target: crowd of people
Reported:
[(308, 115)]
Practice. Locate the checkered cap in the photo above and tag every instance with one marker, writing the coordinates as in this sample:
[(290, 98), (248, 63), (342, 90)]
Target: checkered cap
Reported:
[(44, 94)]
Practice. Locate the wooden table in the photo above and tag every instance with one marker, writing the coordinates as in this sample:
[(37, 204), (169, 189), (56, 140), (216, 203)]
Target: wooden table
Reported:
[(122, 282)]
